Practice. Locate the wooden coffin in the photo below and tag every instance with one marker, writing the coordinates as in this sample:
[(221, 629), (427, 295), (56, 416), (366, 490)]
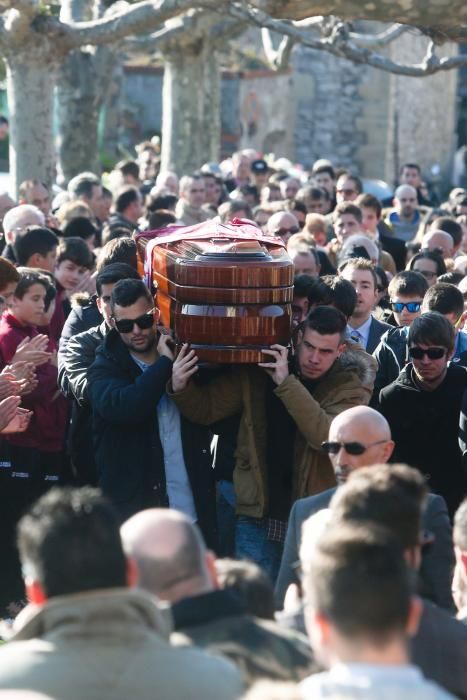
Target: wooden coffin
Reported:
[(225, 289)]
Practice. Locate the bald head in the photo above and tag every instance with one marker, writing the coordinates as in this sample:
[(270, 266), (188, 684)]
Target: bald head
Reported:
[(169, 553), (365, 428), (406, 201), (282, 224), (439, 242)]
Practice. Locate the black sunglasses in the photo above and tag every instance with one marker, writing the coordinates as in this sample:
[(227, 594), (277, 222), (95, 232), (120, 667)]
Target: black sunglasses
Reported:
[(417, 353), (125, 325), (411, 306), (285, 231), (352, 448)]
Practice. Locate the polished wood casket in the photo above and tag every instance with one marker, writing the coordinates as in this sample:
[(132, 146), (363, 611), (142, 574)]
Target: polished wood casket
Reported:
[(224, 288)]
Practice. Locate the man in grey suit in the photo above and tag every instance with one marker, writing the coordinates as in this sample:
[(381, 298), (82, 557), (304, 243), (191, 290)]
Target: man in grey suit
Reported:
[(360, 437)]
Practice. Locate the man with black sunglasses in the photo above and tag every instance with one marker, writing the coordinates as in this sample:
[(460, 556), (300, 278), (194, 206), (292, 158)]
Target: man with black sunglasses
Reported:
[(147, 455), (423, 407), (360, 437)]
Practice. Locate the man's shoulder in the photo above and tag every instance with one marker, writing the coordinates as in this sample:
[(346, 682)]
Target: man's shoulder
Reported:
[(306, 507), (380, 326)]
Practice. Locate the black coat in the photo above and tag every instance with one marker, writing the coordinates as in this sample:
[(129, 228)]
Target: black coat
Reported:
[(425, 428), (128, 449)]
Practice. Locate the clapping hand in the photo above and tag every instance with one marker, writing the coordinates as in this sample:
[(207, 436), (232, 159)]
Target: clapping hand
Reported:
[(33, 350), (19, 423)]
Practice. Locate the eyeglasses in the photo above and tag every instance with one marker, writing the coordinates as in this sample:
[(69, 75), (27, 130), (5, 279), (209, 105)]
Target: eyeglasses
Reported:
[(411, 306), (285, 231), (417, 353), (426, 273), (125, 325), (352, 448)]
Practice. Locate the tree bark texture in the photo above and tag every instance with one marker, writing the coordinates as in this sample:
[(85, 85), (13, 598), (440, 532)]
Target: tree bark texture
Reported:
[(191, 127), (442, 17), (30, 86), (83, 82)]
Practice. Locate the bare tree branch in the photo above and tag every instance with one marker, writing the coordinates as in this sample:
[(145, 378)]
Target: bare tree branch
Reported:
[(340, 45), (381, 39), (444, 21), (141, 17), (186, 30), (277, 58)]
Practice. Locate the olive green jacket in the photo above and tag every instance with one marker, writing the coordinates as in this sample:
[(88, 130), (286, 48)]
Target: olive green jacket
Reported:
[(348, 383)]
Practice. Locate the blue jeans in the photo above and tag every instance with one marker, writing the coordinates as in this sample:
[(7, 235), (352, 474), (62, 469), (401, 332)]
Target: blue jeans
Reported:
[(251, 543)]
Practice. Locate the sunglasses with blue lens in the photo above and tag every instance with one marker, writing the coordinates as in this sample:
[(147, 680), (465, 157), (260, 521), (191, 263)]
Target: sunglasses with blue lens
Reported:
[(411, 306)]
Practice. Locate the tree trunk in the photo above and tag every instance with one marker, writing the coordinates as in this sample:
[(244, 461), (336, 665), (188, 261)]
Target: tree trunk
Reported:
[(30, 87), (190, 107), (81, 91)]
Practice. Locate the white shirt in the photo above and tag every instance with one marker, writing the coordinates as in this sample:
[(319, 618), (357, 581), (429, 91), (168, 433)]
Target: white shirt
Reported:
[(363, 332), (372, 682)]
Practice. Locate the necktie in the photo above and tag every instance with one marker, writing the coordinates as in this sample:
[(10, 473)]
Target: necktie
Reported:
[(356, 337)]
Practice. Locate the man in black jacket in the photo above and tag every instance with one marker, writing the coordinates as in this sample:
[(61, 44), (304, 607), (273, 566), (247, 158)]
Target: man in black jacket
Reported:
[(147, 455), (75, 357), (423, 406)]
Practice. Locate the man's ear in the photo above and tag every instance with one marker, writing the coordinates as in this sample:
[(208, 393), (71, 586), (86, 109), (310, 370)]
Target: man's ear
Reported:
[(34, 591), (132, 575), (342, 347), (389, 447), (99, 304), (415, 613), (210, 560)]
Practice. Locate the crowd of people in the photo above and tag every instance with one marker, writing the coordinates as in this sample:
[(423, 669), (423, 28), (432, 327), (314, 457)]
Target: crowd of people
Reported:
[(292, 529)]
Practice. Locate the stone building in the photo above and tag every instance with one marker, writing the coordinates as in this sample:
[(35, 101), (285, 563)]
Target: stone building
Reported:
[(321, 107)]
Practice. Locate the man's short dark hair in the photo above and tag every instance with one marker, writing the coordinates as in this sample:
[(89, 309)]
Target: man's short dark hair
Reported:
[(448, 225), (348, 208), (75, 250), (354, 178), (69, 541), (162, 201), (432, 329), (309, 192), (360, 264), (324, 169), (451, 278), (118, 250), (408, 284), (35, 239), (79, 227), (251, 583), (370, 202), (391, 496), (414, 166), (342, 294), (161, 218), (128, 167), (83, 185), (303, 286), (28, 277), (125, 198), (429, 255), (358, 580), (128, 291), (114, 273), (445, 299), (326, 320)]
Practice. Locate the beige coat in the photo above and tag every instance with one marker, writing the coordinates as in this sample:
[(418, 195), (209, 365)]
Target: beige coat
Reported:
[(109, 645)]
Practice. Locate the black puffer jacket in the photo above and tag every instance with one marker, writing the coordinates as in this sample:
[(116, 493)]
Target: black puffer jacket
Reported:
[(128, 449)]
